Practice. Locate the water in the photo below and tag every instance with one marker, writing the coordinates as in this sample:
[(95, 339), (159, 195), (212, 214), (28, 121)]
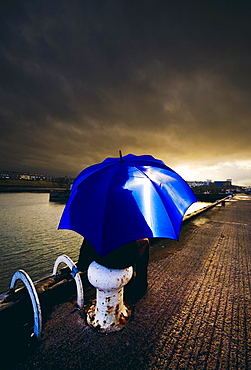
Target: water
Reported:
[(29, 238)]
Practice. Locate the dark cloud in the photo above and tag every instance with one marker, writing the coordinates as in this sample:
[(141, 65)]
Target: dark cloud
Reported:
[(80, 80)]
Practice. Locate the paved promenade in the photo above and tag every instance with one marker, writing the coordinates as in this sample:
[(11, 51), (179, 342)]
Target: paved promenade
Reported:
[(195, 315)]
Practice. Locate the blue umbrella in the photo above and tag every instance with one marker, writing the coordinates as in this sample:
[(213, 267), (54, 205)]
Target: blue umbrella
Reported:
[(124, 199)]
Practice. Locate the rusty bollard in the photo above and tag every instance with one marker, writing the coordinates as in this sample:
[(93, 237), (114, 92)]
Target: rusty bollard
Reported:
[(109, 313)]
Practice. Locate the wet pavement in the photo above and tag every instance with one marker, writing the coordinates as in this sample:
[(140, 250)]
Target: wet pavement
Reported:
[(196, 313)]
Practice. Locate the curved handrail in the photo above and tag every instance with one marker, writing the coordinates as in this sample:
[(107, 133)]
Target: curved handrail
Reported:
[(22, 275), (75, 274)]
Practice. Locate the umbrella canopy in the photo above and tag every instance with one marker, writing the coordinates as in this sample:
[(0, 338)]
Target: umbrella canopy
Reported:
[(124, 199)]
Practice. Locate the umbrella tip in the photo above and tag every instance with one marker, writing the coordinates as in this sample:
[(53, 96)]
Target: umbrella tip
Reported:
[(121, 158)]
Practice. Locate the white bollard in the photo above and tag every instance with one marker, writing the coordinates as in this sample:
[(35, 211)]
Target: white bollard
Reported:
[(110, 312)]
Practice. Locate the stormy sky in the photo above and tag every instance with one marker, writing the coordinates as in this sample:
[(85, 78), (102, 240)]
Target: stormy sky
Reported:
[(82, 79)]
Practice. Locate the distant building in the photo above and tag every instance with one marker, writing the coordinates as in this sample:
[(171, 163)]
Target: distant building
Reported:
[(4, 175), (9, 175), (34, 176), (193, 184), (25, 177), (223, 183), (228, 182)]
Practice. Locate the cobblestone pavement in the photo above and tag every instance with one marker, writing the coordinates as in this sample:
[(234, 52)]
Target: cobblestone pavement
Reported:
[(195, 315)]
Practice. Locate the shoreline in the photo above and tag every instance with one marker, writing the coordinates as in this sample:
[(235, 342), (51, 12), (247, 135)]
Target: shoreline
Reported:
[(37, 186), (26, 189)]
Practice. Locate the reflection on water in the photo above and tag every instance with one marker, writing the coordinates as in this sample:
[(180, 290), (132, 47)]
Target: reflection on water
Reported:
[(29, 238)]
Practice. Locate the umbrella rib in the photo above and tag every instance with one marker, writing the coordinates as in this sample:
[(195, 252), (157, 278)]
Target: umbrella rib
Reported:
[(156, 188), (79, 178), (166, 208), (167, 211)]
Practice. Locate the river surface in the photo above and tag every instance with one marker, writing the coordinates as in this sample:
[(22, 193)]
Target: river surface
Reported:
[(29, 238)]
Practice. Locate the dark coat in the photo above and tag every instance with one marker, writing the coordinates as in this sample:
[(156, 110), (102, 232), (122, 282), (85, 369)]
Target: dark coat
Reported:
[(120, 258)]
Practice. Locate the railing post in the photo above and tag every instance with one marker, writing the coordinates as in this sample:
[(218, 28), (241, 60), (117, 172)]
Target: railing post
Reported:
[(22, 275), (75, 274)]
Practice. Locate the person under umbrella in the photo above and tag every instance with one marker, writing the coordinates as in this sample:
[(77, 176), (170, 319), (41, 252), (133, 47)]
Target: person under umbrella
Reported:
[(119, 201)]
